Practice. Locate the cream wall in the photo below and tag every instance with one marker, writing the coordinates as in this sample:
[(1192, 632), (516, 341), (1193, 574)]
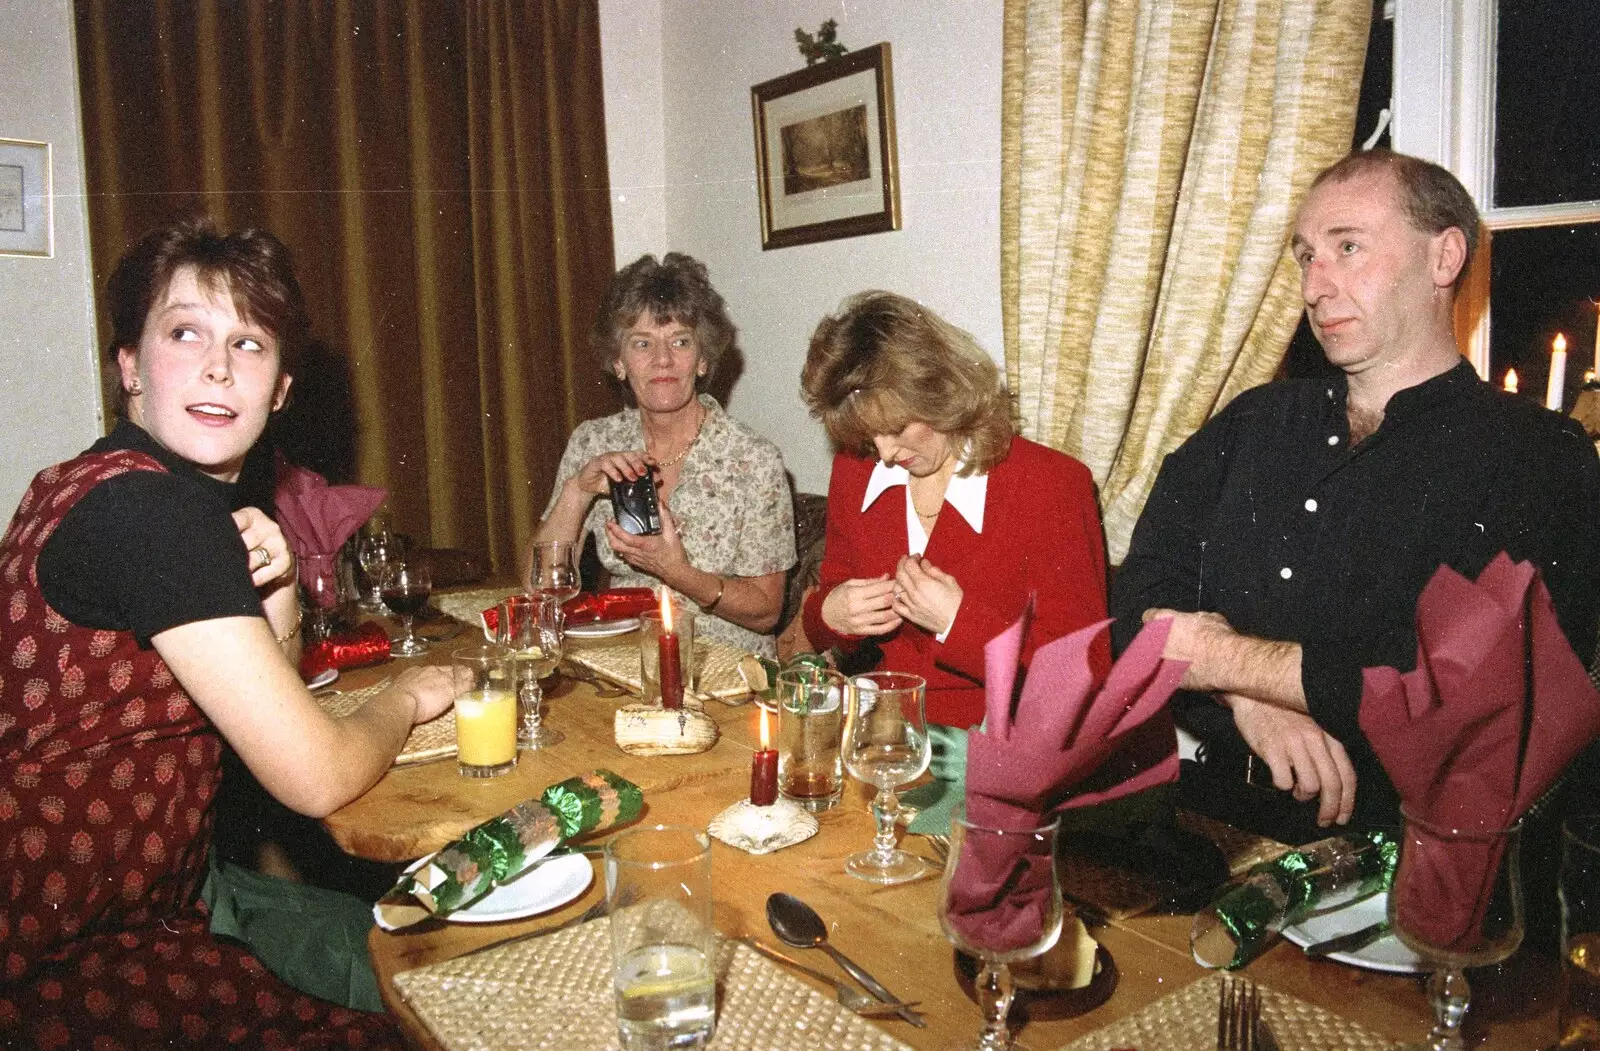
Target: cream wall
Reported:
[(49, 394), (699, 195)]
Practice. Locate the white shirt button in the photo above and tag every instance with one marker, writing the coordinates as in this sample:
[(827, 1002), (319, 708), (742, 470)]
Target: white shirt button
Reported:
[(1333, 439), (1286, 572), (1311, 505)]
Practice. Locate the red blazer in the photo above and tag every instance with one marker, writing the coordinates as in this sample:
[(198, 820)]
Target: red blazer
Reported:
[(1041, 536)]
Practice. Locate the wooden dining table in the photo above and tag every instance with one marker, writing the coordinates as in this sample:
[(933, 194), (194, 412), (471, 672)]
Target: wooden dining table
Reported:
[(893, 932)]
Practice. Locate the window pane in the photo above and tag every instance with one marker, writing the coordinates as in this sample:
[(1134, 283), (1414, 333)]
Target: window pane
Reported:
[(1547, 147), (1543, 281)]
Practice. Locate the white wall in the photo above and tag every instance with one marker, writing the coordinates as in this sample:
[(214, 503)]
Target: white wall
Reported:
[(946, 56), (49, 386)]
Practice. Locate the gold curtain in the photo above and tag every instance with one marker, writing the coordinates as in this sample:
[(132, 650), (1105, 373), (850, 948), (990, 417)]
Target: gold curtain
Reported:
[(438, 169), (1153, 154)]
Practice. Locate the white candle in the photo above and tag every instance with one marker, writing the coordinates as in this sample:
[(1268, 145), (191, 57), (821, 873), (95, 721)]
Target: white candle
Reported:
[(1556, 388), (1596, 303), (1511, 381)]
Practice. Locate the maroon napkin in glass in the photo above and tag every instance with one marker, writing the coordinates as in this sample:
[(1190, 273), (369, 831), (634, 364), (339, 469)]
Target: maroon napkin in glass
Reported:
[(1071, 740), (1497, 707), (317, 518)]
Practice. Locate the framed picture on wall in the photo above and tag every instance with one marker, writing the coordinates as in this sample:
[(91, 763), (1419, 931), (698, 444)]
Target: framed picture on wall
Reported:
[(825, 151), (24, 198)]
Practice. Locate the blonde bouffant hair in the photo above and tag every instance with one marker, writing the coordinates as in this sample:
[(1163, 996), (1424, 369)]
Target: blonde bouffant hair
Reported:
[(884, 361)]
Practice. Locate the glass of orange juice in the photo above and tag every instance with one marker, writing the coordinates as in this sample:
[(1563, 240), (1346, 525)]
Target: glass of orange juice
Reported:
[(486, 713)]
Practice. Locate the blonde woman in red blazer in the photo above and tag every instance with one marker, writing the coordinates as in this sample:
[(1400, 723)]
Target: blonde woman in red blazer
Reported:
[(942, 523)]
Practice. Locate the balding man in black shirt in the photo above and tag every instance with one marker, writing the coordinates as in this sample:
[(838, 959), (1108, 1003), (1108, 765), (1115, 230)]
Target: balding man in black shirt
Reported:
[(1290, 537)]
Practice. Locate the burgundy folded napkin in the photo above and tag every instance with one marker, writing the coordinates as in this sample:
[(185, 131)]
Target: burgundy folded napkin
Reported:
[(1497, 707), (1071, 740), (367, 644), (317, 518)]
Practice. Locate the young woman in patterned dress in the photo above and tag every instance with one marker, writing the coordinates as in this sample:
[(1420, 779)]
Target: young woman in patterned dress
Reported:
[(145, 621)]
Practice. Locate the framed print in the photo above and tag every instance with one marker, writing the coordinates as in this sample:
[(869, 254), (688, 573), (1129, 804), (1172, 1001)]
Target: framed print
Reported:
[(24, 198), (825, 151)]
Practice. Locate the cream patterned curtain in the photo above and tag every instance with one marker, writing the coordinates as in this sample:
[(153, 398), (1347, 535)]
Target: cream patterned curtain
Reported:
[(1154, 152)]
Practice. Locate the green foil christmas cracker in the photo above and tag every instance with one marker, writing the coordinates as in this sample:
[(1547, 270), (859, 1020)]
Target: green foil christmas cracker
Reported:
[(1275, 894), (502, 847)]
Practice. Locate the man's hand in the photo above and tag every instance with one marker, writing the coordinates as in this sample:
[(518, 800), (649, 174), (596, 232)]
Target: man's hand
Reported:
[(925, 595), (862, 606), (1302, 756)]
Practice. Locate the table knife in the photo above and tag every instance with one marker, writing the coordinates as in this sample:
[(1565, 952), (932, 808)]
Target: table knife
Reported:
[(1352, 942)]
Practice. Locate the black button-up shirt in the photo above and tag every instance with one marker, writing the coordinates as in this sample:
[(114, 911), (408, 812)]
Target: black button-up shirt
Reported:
[(1268, 516)]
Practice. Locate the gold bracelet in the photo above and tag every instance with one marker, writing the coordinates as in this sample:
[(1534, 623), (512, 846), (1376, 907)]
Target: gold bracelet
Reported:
[(722, 585), (284, 640)]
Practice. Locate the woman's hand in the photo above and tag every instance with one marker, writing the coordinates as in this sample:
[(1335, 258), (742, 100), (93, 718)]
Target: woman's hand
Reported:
[(862, 607), (259, 534), (661, 556), (596, 476), (433, 688), (925, 595)]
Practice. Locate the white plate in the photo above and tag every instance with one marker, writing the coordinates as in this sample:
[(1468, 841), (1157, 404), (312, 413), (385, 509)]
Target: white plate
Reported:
[(551, 885), (325, 677), (1388, 953), (602, 629)]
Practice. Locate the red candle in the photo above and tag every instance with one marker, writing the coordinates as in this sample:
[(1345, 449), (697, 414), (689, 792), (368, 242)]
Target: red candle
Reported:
[(668, 664), (764, 771)]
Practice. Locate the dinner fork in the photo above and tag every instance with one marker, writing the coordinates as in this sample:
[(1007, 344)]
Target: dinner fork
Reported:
[(1238, 1015)]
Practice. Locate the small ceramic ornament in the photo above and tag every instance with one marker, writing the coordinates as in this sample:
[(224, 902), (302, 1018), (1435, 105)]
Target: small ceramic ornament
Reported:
[(644, 729), (763, 829)]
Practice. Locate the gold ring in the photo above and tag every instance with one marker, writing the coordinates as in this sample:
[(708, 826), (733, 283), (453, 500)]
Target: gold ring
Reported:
[(266, 558)]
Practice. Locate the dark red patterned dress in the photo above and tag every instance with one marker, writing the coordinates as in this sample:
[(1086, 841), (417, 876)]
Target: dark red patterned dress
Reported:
[(107, 774)]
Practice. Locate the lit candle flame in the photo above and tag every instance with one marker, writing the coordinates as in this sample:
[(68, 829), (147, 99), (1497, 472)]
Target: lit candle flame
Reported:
[(1560, 343), (1511, 381), (766, 736), (666, 612)]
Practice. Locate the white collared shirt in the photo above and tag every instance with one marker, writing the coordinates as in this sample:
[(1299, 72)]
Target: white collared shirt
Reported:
[(966, 494)]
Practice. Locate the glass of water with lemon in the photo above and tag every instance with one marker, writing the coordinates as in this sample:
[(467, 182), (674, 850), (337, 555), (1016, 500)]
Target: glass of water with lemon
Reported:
[(658, 884)]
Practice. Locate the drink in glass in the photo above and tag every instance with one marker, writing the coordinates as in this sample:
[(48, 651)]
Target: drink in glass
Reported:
[(658, 887), (810, 727), (533, 630), (406, 588), (1579, 891), (554, 571), (486, 714), (886, 744)]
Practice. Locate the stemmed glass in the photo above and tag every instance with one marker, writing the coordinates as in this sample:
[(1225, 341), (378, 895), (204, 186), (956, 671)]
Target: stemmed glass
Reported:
[(374, 551), (405, 587), (886, 744), (319, 592), (1456, 902), (534, 630), (999, 900), (555, 570)]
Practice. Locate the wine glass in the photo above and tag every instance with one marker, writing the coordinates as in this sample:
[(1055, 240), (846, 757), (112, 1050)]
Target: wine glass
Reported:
[(1456, 902), (555, 570), (405, 587), (374, 551), (886, 744), (999, 929), (319, 594), (534, 630)]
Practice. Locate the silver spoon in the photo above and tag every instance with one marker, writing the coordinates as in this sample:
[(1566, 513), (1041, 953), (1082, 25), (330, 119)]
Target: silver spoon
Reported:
[(849, 996), (797, 924)]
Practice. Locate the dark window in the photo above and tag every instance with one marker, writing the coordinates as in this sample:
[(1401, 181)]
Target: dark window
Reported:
[(1543, 280), (1547, 137)]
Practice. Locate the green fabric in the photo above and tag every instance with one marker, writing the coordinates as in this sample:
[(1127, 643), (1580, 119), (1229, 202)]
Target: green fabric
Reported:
[(311, 938), (936, 800)]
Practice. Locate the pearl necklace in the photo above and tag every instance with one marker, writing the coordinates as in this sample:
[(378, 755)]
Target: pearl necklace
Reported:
[(664, 464)]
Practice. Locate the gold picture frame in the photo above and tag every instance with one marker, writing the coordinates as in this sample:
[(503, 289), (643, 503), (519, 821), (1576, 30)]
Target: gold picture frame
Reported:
[(825, 150), (25, 220)]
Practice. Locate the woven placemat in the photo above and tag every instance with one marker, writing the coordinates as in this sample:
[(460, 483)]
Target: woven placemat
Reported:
[(1122, 893), (466, 605), (1187, 1020), (716, 666), (555, 992), (434, 739)]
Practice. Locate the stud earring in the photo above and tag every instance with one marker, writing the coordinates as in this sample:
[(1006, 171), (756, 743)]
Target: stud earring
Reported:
[(134, 388)]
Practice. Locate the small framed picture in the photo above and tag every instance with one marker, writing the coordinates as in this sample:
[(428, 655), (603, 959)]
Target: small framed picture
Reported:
[(825, 151), (24, 198)]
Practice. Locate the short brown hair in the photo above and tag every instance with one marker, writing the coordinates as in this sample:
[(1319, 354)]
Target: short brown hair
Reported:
[(1432, 198), (675, 290), (252, 266), (884, 361)]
